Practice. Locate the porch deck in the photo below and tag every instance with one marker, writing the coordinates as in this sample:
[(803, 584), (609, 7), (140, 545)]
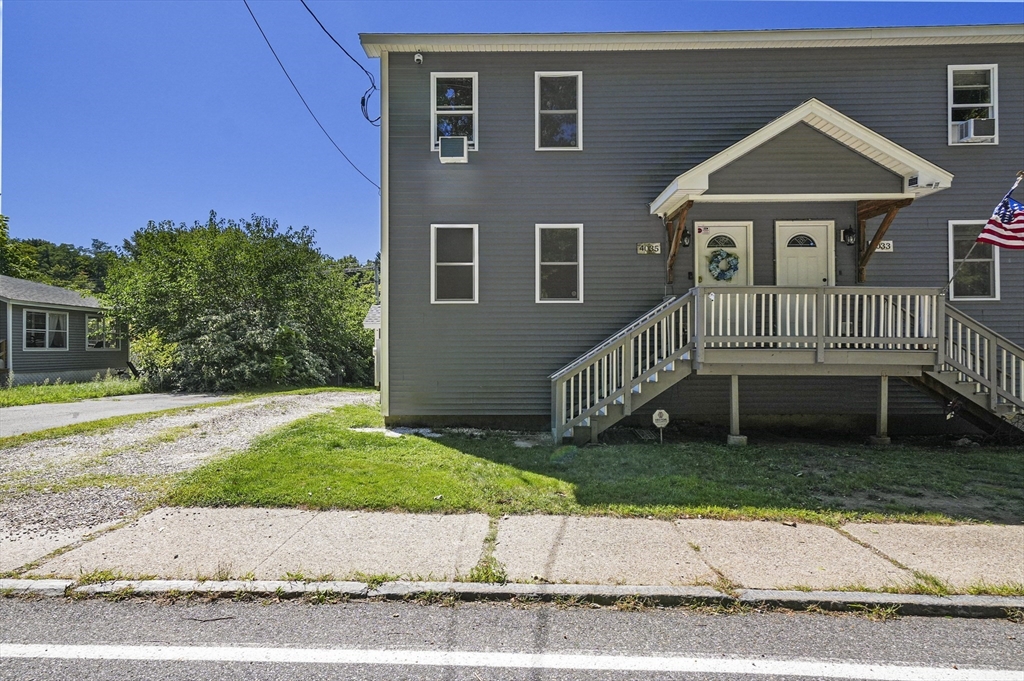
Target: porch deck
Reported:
[(768, 330)]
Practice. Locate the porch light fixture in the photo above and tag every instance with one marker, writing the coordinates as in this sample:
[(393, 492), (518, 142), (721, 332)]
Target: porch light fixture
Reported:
[(686, 239), (849, 236)]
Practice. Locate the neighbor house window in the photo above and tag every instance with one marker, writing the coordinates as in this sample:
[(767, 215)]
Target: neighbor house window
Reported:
[(973, 104), (559, 263), (46, 330), (454, 107), (101, 333), (975, 272), (453, 263), (559, 110)]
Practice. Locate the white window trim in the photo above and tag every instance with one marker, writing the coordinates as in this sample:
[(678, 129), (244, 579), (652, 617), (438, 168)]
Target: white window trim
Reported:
[(106, 335), (994, 68), (952, 264), (475, 263), (24, 331), (434, 75), (536, 109), (578, 263)]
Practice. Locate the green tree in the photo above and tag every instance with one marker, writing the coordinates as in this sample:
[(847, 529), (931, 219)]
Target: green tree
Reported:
[(238, 304), (16, 260)]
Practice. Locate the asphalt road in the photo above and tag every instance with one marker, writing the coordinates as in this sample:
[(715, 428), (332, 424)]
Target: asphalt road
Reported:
[(397, 640), (34, 417)]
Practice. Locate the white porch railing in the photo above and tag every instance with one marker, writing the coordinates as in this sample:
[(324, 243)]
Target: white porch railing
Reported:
[(820, 319), (607, 374), (985, 361)]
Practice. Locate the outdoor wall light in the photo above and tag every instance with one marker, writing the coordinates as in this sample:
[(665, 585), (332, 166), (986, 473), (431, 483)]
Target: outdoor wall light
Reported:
[(849, 236), (686, 239)]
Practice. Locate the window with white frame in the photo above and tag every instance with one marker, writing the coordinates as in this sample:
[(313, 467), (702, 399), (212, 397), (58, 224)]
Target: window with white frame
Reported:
[(453, 263), (101, 333), (559, 263), (454, 107), (974, 267), (46, 330), (559, 110), (973, 104)]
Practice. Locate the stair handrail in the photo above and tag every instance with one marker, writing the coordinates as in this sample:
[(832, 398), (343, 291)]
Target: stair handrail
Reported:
[(614, 339), (971, 321), (989, 381)]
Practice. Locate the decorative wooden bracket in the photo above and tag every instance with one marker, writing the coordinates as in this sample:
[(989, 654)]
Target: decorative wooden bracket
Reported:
[(865, 211), (675, 236)]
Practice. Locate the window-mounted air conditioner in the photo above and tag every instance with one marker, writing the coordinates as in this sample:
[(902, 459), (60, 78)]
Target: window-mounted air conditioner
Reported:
[(976, 130), (453, 149)]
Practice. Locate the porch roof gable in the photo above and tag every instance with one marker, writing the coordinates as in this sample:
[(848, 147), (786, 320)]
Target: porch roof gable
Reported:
[(920, 177)]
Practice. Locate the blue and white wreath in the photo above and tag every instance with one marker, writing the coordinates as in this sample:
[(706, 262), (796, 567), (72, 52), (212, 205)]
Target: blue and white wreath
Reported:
[(723, 265)]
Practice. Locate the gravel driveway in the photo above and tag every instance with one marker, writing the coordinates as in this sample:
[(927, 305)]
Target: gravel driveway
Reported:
[(72, 486)]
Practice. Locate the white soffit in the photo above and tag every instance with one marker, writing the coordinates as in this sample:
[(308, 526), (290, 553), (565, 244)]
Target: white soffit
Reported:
[(376, 43), (692, 184)]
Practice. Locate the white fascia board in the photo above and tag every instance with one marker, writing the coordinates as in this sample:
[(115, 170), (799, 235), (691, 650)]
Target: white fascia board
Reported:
[(796, 198), (376, 43), (814, 112), (52, 306)]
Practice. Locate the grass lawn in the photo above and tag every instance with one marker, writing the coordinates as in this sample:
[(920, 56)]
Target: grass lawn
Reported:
[(320, 463), (21, 395)]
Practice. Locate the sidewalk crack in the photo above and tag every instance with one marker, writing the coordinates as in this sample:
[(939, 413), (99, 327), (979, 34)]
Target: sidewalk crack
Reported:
[(288, 539)]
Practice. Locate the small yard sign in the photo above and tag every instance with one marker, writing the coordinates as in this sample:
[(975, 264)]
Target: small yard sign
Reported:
[(660, 421), (648, 249)]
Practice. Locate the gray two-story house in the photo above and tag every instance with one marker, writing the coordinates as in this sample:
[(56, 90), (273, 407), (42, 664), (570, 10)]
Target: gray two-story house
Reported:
[(577, 228)]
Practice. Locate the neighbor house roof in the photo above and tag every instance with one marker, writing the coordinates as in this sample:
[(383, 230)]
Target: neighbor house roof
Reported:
[(376, 43), (25, 292), (920, 176), (372, 319)]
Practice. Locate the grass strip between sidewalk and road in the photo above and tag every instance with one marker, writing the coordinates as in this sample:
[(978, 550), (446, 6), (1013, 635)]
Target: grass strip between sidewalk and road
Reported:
[(320, 463)]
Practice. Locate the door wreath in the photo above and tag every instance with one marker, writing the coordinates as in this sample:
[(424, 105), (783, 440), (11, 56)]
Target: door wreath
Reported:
[(723, 265)]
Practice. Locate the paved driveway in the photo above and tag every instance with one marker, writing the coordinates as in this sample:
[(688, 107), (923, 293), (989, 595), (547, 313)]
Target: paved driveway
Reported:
[(18, 420)]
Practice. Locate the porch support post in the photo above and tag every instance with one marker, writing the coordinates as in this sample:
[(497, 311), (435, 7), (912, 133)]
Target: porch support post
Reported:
[(882, 420), (735, 438), (675, 237), (865, 211)]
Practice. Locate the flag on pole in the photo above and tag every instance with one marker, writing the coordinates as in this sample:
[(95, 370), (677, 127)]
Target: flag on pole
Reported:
[(1006, 226)]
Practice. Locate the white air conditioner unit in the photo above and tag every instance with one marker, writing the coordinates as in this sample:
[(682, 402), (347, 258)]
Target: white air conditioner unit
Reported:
[(453, 149), (976, 130)]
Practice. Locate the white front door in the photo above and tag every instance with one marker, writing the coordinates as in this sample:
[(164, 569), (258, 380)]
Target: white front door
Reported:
[(723, 252), (805, 253)]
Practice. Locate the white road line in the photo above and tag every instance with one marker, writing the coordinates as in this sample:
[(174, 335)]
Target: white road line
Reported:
[(430, 658)]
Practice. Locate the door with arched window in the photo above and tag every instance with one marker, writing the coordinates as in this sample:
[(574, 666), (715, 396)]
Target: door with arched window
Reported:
[(804, 253), (723, 252)]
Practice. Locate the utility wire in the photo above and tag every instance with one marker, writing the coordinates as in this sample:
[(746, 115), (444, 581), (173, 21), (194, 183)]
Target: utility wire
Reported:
[(364, 102), (296, 88)]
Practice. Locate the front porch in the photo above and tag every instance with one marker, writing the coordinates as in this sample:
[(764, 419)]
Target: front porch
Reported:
[(782, 331)]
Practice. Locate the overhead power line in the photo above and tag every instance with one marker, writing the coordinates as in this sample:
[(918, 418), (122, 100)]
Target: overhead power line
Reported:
[(296, 88), (364, 102)]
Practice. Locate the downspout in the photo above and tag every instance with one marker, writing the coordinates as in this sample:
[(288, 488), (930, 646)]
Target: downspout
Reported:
[(10, 342)]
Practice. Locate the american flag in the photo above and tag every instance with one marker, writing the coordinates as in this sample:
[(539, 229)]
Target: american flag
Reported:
[(1006, 226)]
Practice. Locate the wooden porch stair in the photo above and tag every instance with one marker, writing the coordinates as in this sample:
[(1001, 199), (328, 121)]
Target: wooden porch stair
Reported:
[(837, 331)]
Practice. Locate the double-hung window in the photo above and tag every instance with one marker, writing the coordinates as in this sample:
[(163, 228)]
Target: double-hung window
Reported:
[(101, 333), (559, 263), (46, 330), (453, 264), (973, 104), (559, 110), (974, 267), (453, 108)]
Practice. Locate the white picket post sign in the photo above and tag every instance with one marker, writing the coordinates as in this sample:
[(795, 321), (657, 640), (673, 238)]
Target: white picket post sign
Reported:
[(660, 421)]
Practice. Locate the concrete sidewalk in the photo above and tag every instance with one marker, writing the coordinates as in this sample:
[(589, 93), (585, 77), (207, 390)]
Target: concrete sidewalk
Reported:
[(274, 544), (35, 417)]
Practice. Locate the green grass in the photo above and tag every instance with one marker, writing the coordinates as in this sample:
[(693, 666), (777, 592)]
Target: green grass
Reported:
[(47, 393), (320, 463)]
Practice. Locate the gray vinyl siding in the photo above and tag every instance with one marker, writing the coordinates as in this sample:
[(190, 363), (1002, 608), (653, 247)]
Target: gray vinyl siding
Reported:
[(802, 160), (647, 118), (75, 359)]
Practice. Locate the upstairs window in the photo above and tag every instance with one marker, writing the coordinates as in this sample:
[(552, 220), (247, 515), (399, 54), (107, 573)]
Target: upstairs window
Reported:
[(559, 110), (973, 267), (453, 263), (46, 330), (973, 105), (101, 333), (559, 263), (454, 97)]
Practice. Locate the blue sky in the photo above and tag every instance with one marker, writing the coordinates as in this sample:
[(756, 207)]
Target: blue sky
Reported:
[(116, 113)]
